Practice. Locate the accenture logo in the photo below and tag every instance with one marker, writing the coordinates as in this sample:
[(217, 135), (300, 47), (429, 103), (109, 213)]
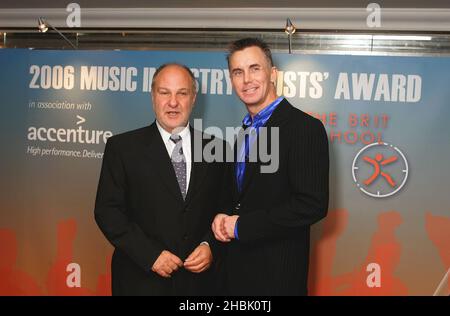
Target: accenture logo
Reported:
[(77, 135)]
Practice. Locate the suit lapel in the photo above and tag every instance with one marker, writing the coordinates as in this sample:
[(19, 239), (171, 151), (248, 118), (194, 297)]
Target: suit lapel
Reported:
[(250, 170), (156, 150), (198, 170), (235, 192)]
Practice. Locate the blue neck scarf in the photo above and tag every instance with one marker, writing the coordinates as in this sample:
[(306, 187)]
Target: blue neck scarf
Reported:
[(258, 121)]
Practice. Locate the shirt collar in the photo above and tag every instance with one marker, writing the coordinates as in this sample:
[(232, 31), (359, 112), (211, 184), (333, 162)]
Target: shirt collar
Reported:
[(185, 132), (262, 116)]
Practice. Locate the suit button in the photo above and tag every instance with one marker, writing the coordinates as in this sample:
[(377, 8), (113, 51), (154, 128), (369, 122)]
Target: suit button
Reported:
[(186, 209), (185, 237)]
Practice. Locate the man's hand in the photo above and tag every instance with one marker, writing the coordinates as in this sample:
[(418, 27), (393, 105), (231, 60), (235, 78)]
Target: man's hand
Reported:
[(223, 227), (229, 224), (199, 260), (166, 264), (218, 228)]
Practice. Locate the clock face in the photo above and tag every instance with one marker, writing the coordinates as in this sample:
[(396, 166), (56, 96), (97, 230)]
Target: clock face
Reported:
[(380, 170)]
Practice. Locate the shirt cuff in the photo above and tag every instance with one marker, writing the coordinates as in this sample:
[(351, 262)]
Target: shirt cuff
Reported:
[(204, 243)]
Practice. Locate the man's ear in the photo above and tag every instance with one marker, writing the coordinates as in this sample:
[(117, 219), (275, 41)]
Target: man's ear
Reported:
[(273, 75), (194, 98), (153, 101)]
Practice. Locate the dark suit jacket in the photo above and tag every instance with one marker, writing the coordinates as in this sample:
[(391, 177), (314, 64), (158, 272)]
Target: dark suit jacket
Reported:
[(140, 210), (277, 209)]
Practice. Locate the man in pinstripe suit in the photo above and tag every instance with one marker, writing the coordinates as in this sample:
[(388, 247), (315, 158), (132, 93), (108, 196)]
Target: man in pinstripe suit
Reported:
[(266, 229)]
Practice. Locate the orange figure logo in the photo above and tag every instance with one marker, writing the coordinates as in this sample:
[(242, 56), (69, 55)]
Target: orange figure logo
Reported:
[(380, 160), (377, 170)]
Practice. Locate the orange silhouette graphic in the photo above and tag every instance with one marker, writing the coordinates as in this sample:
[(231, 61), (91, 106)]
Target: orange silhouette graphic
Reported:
[(377, 170), (17, 282), (321, 281), (56, 279), (104, 280), (14, 281), (384, 250), (438, 229)]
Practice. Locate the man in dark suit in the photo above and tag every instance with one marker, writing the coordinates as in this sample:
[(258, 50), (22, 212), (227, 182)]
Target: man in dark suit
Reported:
[(155, 203), (267, 228)]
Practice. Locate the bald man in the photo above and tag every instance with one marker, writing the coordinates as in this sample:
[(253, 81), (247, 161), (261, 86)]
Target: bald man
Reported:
[(154, 203)]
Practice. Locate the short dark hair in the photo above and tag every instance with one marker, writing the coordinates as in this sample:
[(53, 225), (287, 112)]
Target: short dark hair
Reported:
[(188, 70), (249, 42)]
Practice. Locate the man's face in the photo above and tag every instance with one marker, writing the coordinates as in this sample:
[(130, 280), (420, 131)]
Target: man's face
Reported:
[(252, 77), (173, 97)]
